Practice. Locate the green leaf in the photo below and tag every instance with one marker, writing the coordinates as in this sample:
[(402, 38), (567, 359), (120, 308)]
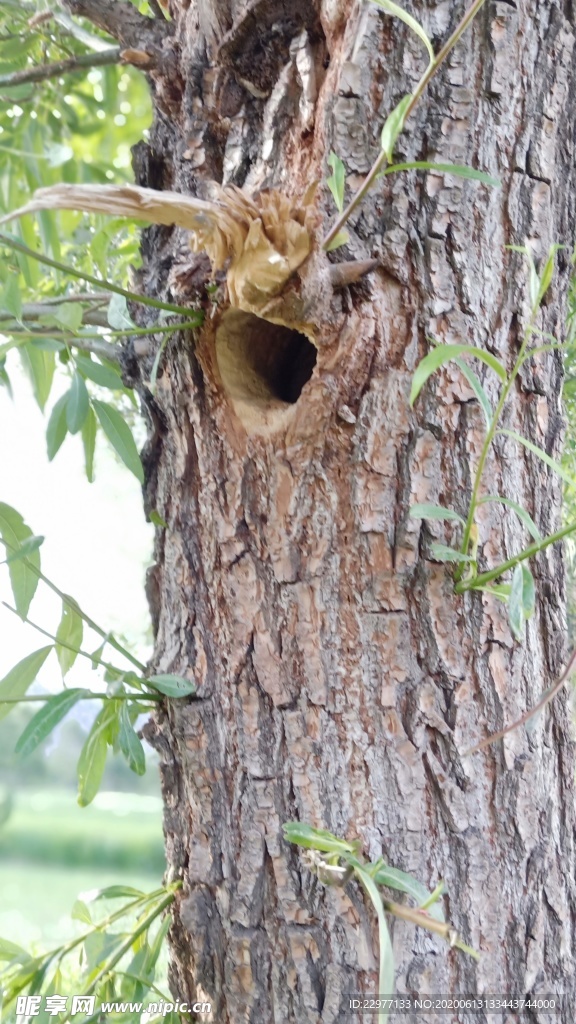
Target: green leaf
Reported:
[(105, 376), (386, 970), (10, 951), (130, 744), (340, 239), (96, 656), (434, 512), (99, 947), (515, 609), (442, 553), (171, 685), (541, 455), (499, 590), (89, 428), (443, 354), (520, 512), (50, 345), (118, 316), (40, 366), (547, 273), (528, 592), (78, 404), (11, 298), (415, 26), (57, 426), (459, 170), (337, 180), (46, 719), (134, 982), (92, 760), (522, 599), (80, 912), (114, 892), (311, 838), (70, 632), (157, 519), (400, 880), (156, 947), (23, 579), (393, 126), (26, 549), (477, 388), (68, 315), (120, 436), (16, 682)]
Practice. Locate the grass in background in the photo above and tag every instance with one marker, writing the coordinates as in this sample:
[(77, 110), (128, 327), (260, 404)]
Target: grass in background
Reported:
[(51, 851), (121, 831), (36, 902)]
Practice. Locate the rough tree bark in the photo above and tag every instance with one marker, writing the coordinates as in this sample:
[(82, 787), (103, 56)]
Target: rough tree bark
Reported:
[(339, 677)]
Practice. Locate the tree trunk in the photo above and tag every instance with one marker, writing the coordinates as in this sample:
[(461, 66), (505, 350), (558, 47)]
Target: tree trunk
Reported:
[(339, 677)]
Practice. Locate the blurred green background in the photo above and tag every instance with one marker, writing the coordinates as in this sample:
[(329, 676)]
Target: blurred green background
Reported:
[(51, 850), (78, 127)]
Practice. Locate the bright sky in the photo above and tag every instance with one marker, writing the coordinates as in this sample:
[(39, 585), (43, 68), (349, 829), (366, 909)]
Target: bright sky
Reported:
[(97, 541)]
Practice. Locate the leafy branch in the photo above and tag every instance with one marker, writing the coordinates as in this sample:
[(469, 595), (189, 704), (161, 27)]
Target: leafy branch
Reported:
[(24, 588), (14, 243), (335, 861), (519, 593), (128, 693), (63, 643), (42, 72), (397, 119), (100, 948)]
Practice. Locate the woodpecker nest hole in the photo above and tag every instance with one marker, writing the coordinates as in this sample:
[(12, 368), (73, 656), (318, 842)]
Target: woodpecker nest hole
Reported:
[(263, 367)]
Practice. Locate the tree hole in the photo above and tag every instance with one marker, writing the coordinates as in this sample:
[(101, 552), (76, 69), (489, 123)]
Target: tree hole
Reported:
[(263, 365)]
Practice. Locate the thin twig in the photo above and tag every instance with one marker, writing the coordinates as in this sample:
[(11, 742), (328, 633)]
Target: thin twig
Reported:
[(75, 607), (544, 700), (42, 72), (478, 582), (156, 9), (63, 643), (418, 917), (382, 159), (14, 243), (87, 695), (97, 346), (94, 316)]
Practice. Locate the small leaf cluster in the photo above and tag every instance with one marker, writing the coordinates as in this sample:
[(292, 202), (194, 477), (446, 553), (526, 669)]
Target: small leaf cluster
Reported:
[(116, 955), (335, 861), (517, 592), (57, 337), (72, 128), (128, 692)]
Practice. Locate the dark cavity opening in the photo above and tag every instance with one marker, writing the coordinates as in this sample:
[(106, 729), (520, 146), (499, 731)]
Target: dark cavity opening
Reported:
[(262, 363)]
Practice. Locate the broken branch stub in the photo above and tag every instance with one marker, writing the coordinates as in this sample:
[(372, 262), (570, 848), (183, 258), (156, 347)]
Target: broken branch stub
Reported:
[(262, 240)]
